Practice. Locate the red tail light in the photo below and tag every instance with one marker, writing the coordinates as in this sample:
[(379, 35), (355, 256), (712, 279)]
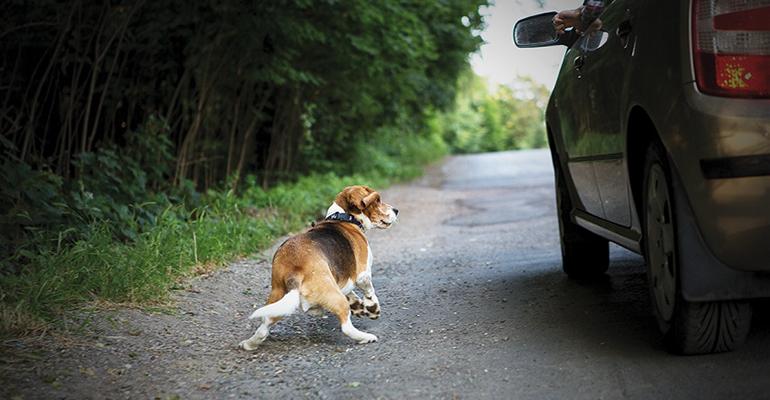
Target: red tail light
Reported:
[(731, 47)]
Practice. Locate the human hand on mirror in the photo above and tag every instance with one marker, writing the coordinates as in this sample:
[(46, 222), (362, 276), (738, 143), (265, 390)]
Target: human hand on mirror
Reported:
[(571, 19)]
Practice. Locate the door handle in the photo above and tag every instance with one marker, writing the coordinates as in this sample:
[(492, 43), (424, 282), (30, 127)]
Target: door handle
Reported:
[(579, 63), (624, 32), (624, 29)]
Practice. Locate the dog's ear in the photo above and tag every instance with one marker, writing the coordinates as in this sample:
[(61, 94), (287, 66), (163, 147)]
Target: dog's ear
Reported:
[(349, 200), (372, 197), (356, 198)]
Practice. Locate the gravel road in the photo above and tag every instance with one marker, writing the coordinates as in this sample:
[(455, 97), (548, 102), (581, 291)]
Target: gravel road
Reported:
[(474, 305)]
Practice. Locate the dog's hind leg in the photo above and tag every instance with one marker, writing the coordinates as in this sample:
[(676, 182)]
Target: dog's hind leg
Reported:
[(329, 296), (342, 310), (260, 335), (351, 331), (264, 329), (340, 307)]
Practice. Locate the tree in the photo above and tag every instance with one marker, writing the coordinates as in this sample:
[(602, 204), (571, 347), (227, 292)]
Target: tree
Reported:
[(241, 85), (502, 118)]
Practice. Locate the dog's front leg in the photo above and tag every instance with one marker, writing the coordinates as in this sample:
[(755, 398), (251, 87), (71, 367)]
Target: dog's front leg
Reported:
[(356, 305), (371, 303)]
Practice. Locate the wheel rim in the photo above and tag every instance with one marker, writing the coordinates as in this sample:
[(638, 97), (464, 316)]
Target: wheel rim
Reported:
[(661, 249)]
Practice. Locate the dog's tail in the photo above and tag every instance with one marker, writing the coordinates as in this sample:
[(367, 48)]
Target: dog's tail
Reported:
[(288, 304)]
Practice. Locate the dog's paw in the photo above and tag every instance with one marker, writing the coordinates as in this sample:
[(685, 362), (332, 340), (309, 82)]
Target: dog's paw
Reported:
[(371, 308), (248, 345), (367, 338), (357, 308)]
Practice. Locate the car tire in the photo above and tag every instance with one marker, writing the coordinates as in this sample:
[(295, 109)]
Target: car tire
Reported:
[(688, 327), (584, 255)]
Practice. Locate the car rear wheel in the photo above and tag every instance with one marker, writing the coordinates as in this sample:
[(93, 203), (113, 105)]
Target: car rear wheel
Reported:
[(688, 327), (584, 255)]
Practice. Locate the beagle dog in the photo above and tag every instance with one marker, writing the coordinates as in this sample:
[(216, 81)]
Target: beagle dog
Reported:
[(318, 269)]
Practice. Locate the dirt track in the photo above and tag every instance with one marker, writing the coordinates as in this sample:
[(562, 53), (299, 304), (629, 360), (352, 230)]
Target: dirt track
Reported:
[(474, 306)]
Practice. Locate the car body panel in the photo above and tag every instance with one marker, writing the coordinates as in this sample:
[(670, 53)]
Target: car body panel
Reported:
[(732, 214), (727, 220), (573, 122), (609, 62)]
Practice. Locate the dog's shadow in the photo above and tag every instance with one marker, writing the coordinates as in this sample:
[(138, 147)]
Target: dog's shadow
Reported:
[(302, 331)]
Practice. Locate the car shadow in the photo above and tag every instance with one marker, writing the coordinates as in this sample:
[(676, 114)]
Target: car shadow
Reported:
[(610, 314)]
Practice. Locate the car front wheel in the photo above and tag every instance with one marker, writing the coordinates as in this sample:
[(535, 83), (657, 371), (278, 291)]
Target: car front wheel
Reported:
[(688, 327)]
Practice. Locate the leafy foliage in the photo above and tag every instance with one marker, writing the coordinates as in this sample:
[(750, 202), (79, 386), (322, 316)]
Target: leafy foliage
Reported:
[(243, 86), (111, 111), (510, 117)]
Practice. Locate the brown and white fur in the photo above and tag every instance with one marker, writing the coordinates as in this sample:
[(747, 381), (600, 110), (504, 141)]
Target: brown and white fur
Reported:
[(319, 268)]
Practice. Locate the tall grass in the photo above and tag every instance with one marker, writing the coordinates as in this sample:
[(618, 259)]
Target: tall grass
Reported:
[(183, 241)]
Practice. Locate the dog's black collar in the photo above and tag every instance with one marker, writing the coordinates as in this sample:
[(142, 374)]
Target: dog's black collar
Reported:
[(345, 217)]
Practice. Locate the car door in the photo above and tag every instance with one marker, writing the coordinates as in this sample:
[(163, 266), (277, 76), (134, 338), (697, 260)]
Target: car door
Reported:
[(568, 99), (605, 65)]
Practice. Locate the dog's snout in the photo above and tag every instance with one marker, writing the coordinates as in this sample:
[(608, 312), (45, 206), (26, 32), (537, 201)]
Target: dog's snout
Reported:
[(395, 211)]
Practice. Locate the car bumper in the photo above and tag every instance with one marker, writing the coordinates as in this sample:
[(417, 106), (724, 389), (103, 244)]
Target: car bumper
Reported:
[(721, 150)]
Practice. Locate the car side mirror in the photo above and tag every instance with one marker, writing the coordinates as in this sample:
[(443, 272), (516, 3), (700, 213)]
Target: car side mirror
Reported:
[(538, 31)]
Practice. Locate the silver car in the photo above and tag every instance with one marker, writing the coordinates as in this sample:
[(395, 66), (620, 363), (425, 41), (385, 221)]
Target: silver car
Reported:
[(659, 127)]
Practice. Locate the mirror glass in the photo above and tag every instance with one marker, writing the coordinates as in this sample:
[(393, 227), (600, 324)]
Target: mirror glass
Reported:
[(594, 40), (535, 31)]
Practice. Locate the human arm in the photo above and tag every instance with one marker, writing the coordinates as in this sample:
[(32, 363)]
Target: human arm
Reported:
[(583, 19)]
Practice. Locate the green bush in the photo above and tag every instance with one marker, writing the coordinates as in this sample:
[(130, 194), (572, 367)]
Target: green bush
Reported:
[(111, 188)]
